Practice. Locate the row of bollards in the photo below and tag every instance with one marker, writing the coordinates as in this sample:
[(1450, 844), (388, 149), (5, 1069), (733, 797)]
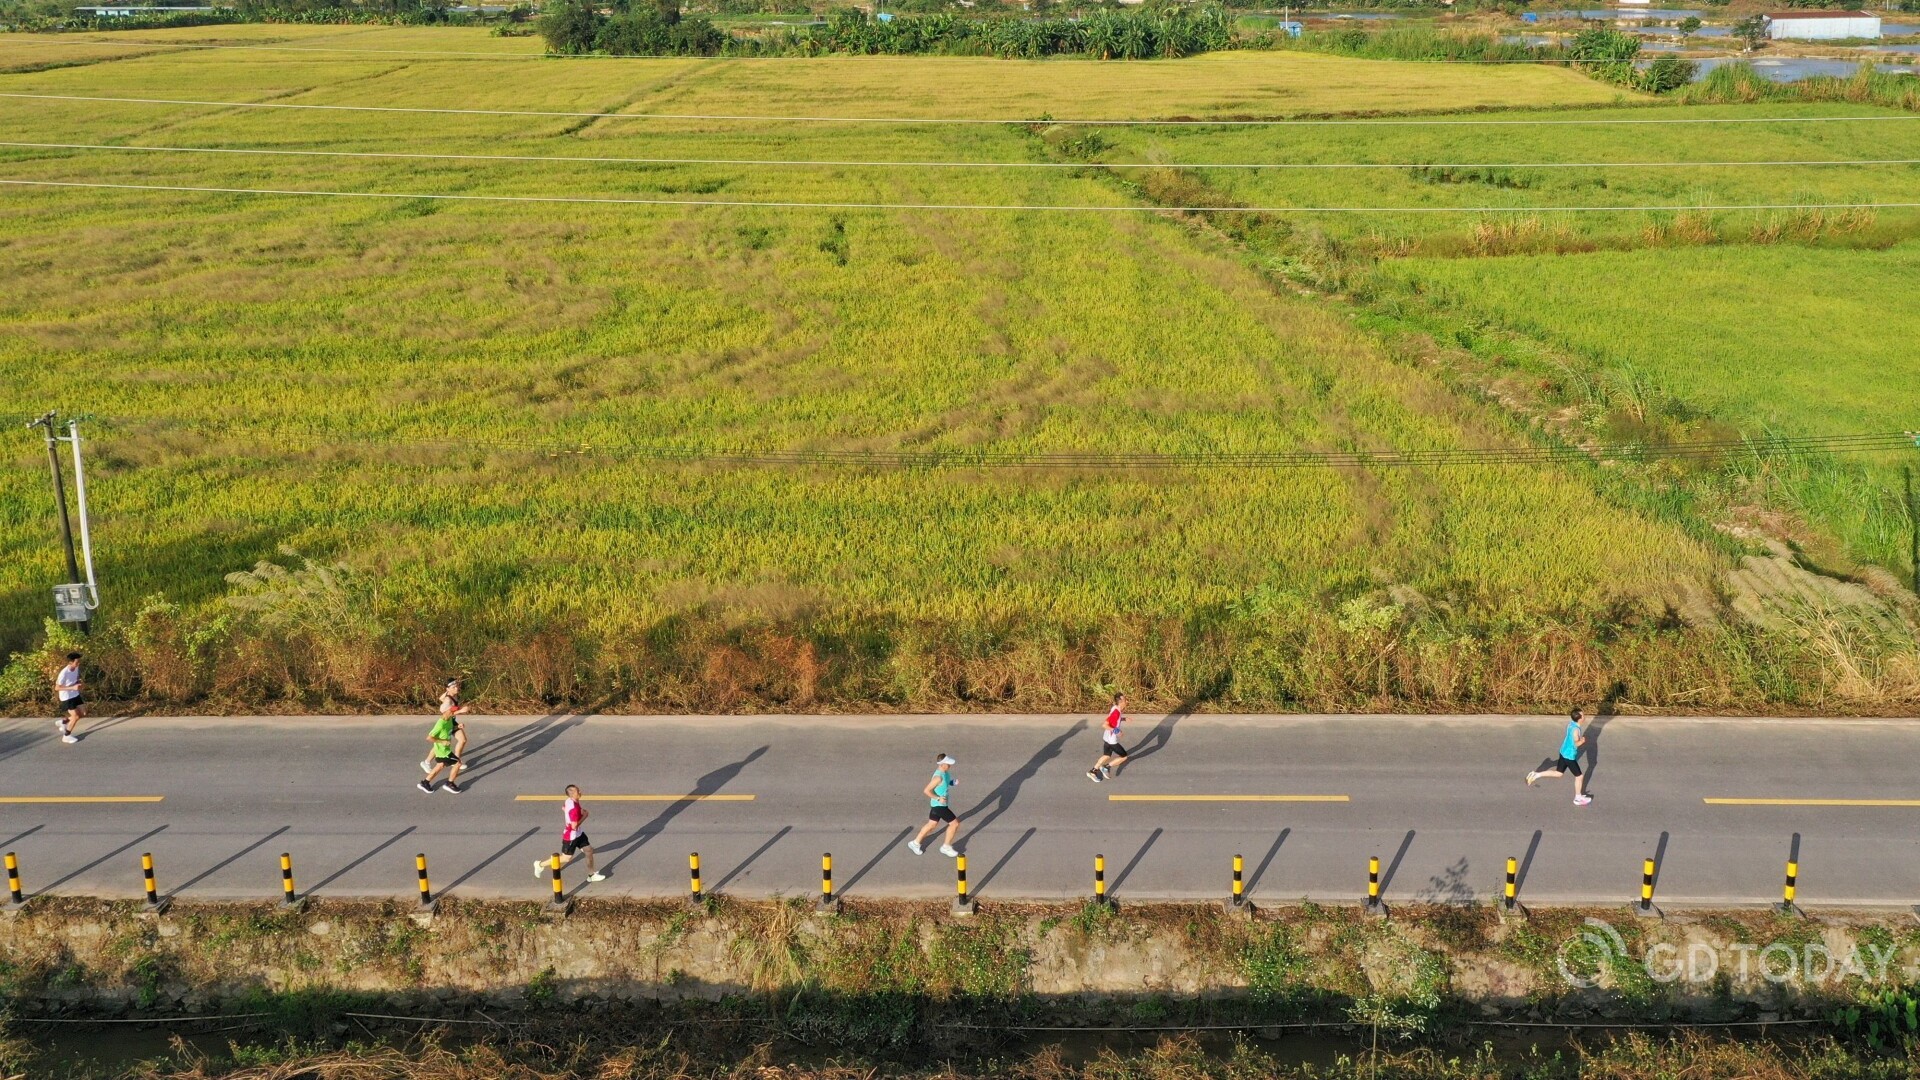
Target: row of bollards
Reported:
[(963, 903)]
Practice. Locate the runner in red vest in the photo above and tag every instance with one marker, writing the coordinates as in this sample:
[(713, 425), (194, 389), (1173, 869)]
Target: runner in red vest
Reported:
[(573, 836), (1113, 753)]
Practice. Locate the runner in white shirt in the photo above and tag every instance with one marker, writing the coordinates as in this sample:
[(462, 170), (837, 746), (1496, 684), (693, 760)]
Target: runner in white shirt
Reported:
[(573, 836), (1113, 753), (73, 702)]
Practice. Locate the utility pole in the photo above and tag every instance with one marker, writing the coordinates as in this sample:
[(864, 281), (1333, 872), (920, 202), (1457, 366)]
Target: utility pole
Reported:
[(71, 600), (59, 489)]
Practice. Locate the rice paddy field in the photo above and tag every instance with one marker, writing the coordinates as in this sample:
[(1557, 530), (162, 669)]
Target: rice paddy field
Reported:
[(465, 400)]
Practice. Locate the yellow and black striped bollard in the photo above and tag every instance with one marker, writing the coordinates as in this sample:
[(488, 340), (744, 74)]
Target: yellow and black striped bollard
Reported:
[(1645, 907), (1374, 906), (1237, 898), (427, 902), (155, 902), (287, 897), (554, 870), (1100, 880), (16, 898), (962, 902), (1791, 890), (828, 902), (695, 896)]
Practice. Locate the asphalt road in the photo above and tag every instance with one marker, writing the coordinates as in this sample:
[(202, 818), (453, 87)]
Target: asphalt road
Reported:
[(1440, 800)]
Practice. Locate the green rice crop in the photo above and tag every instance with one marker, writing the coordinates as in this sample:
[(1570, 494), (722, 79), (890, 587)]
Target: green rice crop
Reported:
[(1781, 338), (385, 383)]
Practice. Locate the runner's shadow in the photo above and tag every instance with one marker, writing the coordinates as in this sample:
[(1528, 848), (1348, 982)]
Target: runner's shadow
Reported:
[(88, 729), (1609, 708), (1162, 732), (498, 755), (710, 784), (1001, 798), (518, 745)]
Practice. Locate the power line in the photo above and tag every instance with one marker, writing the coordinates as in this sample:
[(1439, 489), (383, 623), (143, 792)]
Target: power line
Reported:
[(1121, 208), (1892, 59), (1771, 446), (398, 155), (1293, 122)]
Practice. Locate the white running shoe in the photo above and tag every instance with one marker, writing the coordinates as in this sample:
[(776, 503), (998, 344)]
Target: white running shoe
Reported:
[(69, 738), (596, 876), (426, 767), (1582, 800), (1531, 777), (914, 846), (539, 868), (947, 850)]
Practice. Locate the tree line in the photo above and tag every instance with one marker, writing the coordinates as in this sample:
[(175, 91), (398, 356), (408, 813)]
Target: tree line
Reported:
[(1164, 31)]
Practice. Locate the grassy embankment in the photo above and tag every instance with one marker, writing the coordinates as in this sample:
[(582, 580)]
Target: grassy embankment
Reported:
[(626, 989), (264, 368)]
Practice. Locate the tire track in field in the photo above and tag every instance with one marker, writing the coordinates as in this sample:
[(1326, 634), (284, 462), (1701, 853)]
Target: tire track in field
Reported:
[(35, 67), (661, 85), (178, 122)]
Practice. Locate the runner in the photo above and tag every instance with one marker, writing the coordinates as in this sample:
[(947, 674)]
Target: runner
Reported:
[(1569, 761), (938, 810), (449, 706), (73, 702), (573, 836), (1114, 753), (445, 743)]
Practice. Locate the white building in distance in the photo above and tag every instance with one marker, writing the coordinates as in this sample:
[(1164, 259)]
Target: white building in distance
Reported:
[(1815, 25)]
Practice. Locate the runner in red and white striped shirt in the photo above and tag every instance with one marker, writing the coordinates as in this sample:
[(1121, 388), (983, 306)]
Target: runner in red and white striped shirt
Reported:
[(573, 836)]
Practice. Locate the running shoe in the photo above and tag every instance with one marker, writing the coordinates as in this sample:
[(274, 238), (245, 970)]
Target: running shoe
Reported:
[(69, 738), (426, 786), (1531, 777), (1582, 800), (453, 787), (539, 867), (947, 850), (426, 766), (1106, 772), (914, 846), (1093, 775), (596, 876)]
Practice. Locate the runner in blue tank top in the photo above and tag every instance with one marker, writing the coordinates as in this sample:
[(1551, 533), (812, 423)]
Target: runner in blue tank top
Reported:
[(938, 810), (1570, 745)]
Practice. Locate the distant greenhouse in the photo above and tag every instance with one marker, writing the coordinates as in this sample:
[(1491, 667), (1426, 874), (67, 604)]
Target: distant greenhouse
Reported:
[(1812, 25)]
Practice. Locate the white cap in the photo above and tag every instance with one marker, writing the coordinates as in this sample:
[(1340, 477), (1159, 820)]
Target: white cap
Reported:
[(946, 759)]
